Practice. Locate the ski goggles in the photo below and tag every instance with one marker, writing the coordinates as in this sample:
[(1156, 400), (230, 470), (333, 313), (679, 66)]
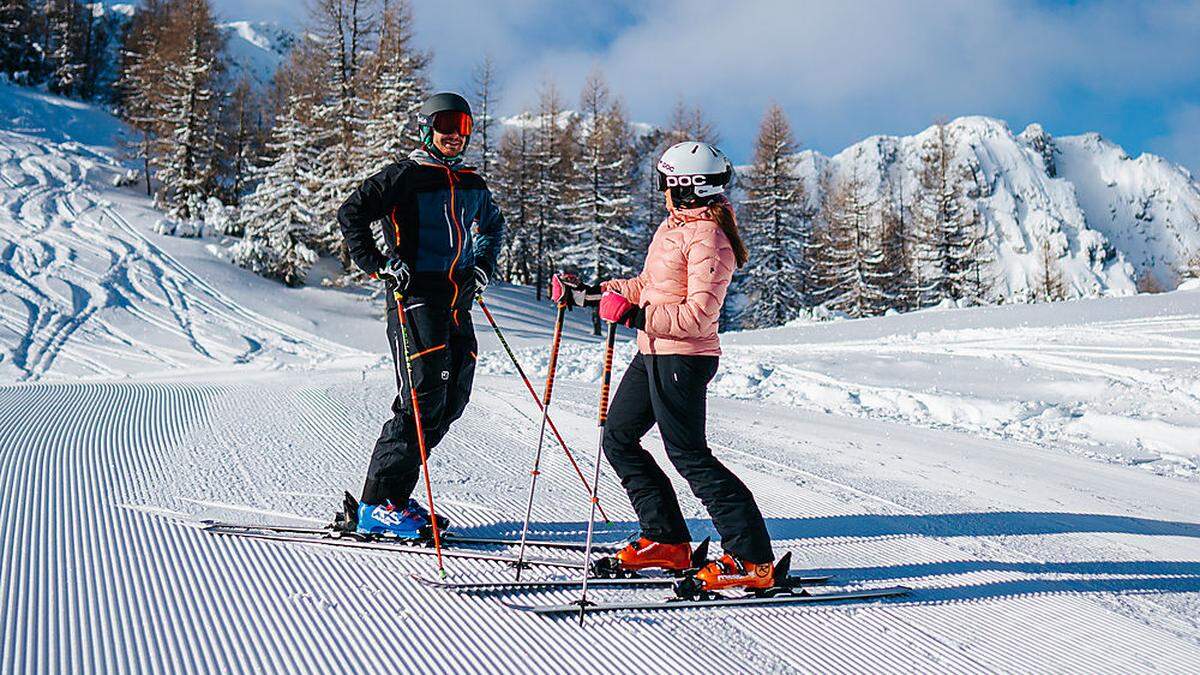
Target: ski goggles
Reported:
[(451, 122)]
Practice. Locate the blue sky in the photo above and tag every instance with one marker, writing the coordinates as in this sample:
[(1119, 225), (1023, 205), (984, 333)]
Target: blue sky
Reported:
[(841, 70)]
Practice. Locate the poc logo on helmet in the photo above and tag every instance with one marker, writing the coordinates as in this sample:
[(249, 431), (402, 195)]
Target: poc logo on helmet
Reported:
[(686, 181)]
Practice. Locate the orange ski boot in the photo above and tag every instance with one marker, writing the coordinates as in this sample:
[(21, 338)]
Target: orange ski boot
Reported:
[(646, 554), (730, 572)]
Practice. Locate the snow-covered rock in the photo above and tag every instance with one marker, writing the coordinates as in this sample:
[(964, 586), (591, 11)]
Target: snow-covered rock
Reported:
[(1110, 218), (256, 49)]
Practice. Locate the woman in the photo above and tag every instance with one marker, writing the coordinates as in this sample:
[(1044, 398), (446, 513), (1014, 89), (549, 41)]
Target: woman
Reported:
[(675, 304)]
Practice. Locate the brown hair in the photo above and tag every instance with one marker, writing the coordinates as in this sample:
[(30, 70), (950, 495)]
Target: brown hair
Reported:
[(722, 212)]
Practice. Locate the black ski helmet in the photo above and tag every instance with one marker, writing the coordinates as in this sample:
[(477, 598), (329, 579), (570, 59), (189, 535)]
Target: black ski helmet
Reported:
[(442, 101)]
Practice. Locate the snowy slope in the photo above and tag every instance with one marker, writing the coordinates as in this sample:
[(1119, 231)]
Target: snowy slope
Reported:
[(925, 449), (1116, 379), (1021, 560), (86, 290)]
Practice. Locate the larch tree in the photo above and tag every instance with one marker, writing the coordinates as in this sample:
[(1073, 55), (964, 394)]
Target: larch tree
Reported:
[(600, 243), (342, 32), (395, 85), (952, 252), (486, 92), (186, 114), (514, 181), (774, 226)]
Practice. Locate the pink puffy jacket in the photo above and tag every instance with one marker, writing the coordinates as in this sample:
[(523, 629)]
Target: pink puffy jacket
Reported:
[(682, 285)]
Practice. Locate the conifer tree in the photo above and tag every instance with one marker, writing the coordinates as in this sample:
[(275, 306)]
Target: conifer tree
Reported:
[(396, 86), (551, 171), (600, 242), (65, 41), (18, 55), (343, 31), (277, 217), (514, 180), (187, 114), (486, 92), (774, 226), (952, 250)]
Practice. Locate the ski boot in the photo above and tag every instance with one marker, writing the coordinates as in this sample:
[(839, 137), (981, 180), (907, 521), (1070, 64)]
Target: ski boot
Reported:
[(643, 553), (356, 518), (443, 522), (386, 520), (727, 572)]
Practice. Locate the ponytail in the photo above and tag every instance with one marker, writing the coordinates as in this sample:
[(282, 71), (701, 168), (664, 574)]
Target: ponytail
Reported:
[(722, 212)]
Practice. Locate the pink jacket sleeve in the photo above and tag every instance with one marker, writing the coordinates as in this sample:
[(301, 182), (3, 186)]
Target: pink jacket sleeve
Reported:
[(710, 265), (630, 288)]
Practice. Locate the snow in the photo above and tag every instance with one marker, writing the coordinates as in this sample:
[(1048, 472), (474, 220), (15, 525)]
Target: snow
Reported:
[(256, 49), (1025, 469)]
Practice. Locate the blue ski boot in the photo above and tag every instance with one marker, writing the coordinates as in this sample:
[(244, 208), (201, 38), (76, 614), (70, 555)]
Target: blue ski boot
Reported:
[(386, 520), (414, 507)]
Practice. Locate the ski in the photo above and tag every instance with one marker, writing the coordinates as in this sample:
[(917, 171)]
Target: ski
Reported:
[(447, 537), (787, 597), (601, 582), (320, 536)]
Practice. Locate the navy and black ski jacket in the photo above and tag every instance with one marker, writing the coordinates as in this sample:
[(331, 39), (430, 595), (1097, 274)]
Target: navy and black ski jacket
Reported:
[(440, 219)]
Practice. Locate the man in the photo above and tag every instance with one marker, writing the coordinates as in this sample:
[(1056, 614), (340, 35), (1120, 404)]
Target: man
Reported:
[(443, 233)]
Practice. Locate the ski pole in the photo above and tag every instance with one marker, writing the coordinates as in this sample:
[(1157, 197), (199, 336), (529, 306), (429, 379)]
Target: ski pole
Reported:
[(605, 382), (537, 457), (536, 399), (412, 390)]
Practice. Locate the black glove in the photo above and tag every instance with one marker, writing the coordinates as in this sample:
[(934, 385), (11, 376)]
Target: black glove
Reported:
[(396, 273), (481, 279), (567, 289)]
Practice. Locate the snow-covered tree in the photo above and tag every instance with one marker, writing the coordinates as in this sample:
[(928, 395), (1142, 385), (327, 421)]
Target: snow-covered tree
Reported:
[(18, 54), (513, 183), (66, 45), (487, 93), (600, 240), (775, 226), (187, 115), (278, 216), (952, 254), (342, 33), (395, 85)]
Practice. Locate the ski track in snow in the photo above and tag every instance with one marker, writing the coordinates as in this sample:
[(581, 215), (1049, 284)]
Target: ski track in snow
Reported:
[(109, 582), (74, 270)]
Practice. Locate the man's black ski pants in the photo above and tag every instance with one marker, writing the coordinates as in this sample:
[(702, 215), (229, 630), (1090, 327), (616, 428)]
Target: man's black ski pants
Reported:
[(442, 343)]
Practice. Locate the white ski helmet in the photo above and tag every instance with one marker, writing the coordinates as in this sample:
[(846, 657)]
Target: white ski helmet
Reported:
[(695, 173)]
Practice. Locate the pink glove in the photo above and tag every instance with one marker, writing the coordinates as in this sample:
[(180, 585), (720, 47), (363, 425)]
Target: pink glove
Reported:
[(615, 308)]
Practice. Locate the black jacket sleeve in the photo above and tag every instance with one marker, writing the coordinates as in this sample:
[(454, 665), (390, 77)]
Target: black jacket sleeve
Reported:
[(370, 202), (489, 237)]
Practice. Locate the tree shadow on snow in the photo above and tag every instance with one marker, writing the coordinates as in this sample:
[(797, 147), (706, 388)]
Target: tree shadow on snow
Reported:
[(865, 526)]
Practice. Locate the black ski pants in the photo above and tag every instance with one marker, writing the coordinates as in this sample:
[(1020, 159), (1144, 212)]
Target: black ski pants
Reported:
[(442, 343), (671, 390)]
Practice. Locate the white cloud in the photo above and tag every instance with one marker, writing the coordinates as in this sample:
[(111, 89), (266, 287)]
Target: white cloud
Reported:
[(844, 70)]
